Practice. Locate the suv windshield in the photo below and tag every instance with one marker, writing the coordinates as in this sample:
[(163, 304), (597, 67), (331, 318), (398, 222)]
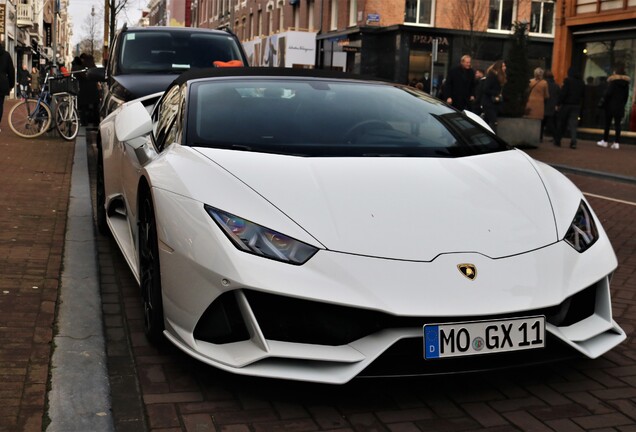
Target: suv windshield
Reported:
[(329, 118), (173, 51)]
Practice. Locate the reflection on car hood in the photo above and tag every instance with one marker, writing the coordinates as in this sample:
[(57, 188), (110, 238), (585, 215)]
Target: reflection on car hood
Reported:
[(142, 85), (405, 208)]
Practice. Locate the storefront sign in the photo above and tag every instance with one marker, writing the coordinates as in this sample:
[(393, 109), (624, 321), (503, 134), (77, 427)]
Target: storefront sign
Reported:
[(422, 39), (373, 18), (287, 49), (351, 49), (2, 20)]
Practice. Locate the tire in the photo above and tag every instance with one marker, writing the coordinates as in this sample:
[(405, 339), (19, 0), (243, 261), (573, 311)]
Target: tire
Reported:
[(149, 271), (100, 194), (29, 126), (66, 121)]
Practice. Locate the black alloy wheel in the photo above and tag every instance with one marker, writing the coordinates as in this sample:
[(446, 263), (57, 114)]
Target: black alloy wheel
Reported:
[(149, 271)]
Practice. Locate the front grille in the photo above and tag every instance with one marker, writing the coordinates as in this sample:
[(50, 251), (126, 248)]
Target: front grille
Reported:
[(290, 319)]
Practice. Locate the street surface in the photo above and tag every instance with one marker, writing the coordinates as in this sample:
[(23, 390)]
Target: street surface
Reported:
[(166, 390)]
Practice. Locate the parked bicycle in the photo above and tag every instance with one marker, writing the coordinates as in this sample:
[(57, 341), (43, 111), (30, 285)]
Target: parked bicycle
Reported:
[(32, 117), (66, 117)]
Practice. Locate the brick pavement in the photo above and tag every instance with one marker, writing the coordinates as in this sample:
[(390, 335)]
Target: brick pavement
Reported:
[(35, 179)]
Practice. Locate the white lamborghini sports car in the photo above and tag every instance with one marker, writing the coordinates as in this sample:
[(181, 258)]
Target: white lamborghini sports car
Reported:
[(314, 226)]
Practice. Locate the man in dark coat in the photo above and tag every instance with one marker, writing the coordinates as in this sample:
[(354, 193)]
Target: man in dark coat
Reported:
[(459, 87), (7, 76), (614, 101), (548, 125), (569, 107)]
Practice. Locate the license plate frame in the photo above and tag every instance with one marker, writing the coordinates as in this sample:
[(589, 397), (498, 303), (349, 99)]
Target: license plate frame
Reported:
[(469, 338)]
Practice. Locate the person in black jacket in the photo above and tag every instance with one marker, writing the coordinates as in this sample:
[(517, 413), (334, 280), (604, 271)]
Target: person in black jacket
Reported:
[(7, 76), (491, 98), (569, 107), (548, 125), (614, 101), (459, 87)]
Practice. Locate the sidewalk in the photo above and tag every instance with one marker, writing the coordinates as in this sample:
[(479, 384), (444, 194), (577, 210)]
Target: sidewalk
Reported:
[(589, 159), (36, 177)]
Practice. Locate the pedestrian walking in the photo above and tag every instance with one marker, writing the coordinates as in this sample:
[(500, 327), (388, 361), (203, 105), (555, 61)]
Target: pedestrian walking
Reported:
[(548, 125), (35, 81), (569, 107), (88, 97), (7, 76), (480, 79), (459, 87), (24, 82), (613, 103), (491, 97), (537, 95)]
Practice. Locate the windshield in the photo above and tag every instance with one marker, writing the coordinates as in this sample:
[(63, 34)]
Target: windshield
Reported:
[(311, 117), (174, 52)]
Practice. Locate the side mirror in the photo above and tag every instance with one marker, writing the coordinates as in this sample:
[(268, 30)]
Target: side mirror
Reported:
[(96, 74), (133, 121), (477, 119)]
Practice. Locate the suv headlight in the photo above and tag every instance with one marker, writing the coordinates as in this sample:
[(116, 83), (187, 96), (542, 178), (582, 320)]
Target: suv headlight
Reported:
[(582, 233), (258, 240)]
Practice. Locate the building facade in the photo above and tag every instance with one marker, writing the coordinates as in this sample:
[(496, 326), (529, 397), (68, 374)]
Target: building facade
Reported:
[(33, 34), (170, 13), (594, 36), (398, 40)]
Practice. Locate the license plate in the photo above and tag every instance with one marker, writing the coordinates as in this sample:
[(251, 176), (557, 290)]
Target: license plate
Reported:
[(483, 337)]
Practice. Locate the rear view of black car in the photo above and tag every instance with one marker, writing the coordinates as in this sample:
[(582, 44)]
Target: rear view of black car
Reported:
[(146, 60)]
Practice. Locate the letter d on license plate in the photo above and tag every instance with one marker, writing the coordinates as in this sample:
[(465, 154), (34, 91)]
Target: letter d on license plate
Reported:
[(483, 337)]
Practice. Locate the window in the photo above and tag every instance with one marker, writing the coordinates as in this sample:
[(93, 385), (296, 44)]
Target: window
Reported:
[(542, 17), (281, 17), (259, 23), (169, 51), (310, 15), (334, 14), (164, 116), (365, 120), (296, 16), (353, 12), (500, 14), (419, 12)]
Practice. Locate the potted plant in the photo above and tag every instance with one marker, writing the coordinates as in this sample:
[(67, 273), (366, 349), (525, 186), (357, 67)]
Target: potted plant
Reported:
[(512, 127)]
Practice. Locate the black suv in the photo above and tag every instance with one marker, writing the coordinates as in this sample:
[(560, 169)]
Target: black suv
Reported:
[(145, 60)]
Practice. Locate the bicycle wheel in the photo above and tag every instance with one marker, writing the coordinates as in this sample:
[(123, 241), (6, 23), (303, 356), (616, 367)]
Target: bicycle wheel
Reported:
[(66, 120), (26, 121)]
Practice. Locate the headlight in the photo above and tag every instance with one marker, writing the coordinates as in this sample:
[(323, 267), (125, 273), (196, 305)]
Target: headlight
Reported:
[(582, 233), (258, 240)]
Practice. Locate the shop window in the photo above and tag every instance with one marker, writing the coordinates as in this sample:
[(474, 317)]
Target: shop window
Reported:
[(500, 14), (542, 17), (599, 62), (419, 12)]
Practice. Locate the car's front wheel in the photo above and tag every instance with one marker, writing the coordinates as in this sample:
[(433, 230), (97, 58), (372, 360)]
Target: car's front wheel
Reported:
[(149, 271)]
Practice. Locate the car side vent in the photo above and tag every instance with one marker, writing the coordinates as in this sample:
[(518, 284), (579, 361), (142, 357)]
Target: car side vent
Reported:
[(575, 308), (222, 322)]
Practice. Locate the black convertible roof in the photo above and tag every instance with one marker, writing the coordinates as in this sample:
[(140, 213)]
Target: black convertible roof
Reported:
[(216, 72)]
